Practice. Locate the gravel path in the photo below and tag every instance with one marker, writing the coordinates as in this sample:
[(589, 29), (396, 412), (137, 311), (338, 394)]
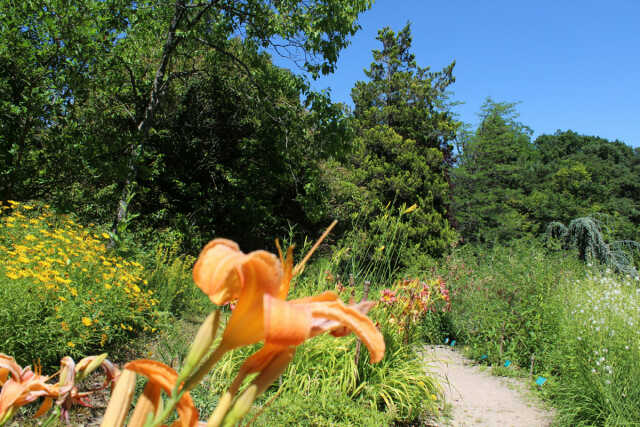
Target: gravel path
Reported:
[(480, 399)]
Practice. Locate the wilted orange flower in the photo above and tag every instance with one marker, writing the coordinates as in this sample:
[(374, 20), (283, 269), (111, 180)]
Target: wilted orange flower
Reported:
[(20, 386)]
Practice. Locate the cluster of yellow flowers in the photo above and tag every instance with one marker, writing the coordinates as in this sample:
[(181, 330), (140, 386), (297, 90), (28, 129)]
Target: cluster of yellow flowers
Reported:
[(70, 263), (260, 283)]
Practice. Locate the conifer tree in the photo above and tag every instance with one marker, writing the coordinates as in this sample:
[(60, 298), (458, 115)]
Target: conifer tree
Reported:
[(403, 145)]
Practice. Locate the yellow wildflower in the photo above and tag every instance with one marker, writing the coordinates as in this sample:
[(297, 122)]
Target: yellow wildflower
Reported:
[(86, 321), (63, 281)]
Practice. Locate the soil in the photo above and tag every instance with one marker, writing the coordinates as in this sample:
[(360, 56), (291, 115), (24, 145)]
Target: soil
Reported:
[(477, 398)]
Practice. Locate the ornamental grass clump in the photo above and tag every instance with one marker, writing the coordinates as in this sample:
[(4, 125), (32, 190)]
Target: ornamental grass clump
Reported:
[(259, 283)]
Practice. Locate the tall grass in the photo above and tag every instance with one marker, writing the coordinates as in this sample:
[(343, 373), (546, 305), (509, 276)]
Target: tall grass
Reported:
[(600, 348), (325, 373), (577, 324), (377, 251)]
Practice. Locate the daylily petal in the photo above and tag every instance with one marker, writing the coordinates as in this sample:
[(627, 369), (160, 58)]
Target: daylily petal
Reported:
[(286, 322), (261, 358), (11, 391), (275, 365), (262, 274), (15, 394), (8, 365), (275, 368), (165, 377), (67, 379), (217, 271), (23, 387), (148, 402), (351, 318), (44, 408)]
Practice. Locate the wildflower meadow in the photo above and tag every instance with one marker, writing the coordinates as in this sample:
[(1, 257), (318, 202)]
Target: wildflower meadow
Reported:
[(63, 291)]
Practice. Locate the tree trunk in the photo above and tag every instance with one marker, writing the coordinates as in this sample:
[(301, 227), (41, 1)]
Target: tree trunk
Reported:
[(144, 125)]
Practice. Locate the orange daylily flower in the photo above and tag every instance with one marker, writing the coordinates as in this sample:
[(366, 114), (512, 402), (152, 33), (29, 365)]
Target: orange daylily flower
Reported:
[(23, 387), (260, 282), (225, 273), (161, 377)]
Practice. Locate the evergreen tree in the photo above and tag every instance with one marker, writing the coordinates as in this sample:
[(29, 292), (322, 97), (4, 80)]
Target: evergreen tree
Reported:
[(494, 175), (402, 150)]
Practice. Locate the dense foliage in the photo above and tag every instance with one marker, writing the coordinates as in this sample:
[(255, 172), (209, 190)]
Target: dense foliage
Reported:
[(507, 186), (157, 125), (550, 316)]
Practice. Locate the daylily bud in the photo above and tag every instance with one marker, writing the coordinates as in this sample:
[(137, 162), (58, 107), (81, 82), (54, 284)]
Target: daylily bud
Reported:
[(202, 342), (241, 407), (120, 402), (221, 410), (89, 364)]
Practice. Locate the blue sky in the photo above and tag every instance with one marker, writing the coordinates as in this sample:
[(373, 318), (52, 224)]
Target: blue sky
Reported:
[(572, 64)]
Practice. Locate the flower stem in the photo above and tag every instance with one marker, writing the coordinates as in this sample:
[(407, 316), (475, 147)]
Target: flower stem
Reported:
[(190, 382)]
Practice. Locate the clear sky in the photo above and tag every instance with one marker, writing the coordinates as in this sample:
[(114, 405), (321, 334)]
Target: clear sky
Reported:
[(573, 64)]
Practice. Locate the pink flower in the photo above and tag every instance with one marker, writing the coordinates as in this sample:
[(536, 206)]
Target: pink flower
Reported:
[(388, 296)]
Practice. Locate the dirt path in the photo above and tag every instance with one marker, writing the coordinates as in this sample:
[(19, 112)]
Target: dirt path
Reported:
[(480, 399)]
